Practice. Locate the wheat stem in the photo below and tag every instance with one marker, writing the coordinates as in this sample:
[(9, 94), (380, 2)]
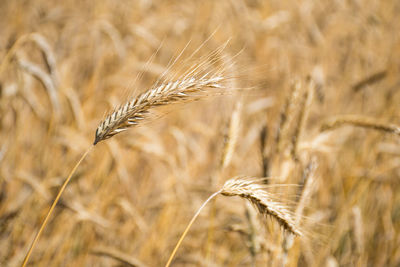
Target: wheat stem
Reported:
[(64, 185), (188, 227)]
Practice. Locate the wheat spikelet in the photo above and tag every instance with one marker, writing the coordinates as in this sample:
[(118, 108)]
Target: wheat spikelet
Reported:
[(136, 109), (255, 192), (361, 121)]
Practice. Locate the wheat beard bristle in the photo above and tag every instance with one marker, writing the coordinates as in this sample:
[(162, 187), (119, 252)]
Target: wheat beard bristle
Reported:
[(136, 109), (249, 189)]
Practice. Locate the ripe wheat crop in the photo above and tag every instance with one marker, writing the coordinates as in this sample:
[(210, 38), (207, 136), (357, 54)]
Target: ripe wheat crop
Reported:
[(123, 117)]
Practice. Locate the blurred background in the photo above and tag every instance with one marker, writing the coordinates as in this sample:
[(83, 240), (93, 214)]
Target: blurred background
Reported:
[(65, 64)]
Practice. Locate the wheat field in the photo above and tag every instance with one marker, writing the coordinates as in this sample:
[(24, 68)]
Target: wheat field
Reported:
[(284, 112)]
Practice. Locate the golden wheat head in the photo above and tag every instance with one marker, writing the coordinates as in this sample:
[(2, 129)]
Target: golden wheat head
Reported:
[(254, 191), (168, 93)]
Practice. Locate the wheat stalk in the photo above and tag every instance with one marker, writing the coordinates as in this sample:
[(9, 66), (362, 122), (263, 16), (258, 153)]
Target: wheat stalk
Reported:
[(361, 121), (53, 205), (113, 253), (370, 79), (184, 89)]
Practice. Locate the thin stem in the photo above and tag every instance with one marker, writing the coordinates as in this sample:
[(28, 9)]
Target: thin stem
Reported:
[(188, 227), (53, 206)]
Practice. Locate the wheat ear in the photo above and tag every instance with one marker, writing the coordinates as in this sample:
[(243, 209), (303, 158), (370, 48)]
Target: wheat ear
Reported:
[(254, 191), (135, 110), (361, 121)]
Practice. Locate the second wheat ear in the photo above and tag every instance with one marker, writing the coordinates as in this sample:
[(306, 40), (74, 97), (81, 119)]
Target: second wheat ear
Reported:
[(131, 113), (253, 190)]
